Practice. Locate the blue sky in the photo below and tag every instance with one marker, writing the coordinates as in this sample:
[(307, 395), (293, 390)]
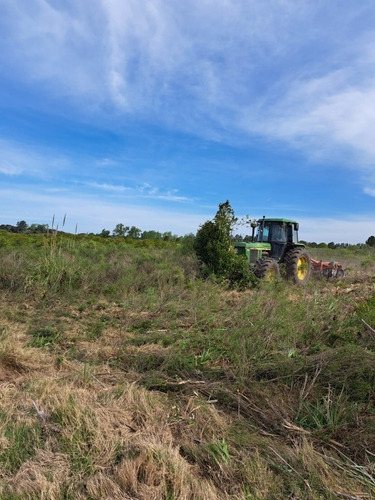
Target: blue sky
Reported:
[(151, 113)]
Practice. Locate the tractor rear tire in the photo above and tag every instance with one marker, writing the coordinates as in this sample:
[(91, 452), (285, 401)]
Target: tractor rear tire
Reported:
[(298, 265), (267, 269)]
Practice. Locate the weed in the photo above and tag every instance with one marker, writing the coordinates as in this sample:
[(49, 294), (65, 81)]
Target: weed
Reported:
[(366, 311), (95, 329), (328, 413), (142, 326), (43, 337), (219, 451), (7, 494), (22, 441)]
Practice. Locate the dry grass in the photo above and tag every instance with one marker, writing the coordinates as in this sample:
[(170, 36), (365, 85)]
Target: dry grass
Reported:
[(100, 442)]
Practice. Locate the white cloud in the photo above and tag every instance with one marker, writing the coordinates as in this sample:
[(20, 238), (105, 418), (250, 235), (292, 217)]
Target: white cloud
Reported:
[(9, 168), (172, 196), (322, 114), (145, 191), (109, 187), (153, 192), (48, 43), (106, 163), (370, 192), (44, 165)]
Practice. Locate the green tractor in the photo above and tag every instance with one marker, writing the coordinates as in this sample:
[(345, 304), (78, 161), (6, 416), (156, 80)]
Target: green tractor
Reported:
[(275, 243)]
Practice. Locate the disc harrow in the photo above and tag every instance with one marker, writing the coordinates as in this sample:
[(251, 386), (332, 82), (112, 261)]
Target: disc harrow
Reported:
[(328, 269)]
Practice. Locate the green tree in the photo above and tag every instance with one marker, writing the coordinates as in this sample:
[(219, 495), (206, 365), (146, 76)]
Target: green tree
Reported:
[(105, 233), (151, 235), (21, 226), (238, 237), (371, 241), (168, 236), (187, 243), (120, 230), (37, 228), (134, 233), (225, 219), (213, 248)]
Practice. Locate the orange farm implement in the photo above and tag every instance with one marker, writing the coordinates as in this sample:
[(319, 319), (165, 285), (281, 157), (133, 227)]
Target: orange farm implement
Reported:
[(328, 269)]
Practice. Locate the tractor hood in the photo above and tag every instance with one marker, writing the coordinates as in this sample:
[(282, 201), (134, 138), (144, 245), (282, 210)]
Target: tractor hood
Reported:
[(252, 251), (253, 244)]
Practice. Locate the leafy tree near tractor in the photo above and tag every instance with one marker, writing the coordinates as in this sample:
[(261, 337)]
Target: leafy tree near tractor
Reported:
[(213, 248)]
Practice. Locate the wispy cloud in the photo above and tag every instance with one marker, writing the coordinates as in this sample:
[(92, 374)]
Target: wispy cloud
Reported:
[(106, 163), (153, 192), (109, 187), (20, 159), (172, 196), (321, 114), (370, 192), (49, 43), (42, 164), (9, 168), (144, 191)]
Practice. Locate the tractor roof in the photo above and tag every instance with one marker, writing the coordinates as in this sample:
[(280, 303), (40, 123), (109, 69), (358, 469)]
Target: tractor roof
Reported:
[(270, 219)]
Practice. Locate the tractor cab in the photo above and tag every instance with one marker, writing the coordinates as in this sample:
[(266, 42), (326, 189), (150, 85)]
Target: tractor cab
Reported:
[(281, 234)]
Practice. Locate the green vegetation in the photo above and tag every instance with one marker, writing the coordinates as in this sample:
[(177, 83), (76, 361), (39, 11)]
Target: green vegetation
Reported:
[(213, 247), (125, 373)]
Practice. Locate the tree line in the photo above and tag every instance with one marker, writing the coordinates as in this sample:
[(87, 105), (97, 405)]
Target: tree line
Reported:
[(133, 232), (120, 231), (23, 227)]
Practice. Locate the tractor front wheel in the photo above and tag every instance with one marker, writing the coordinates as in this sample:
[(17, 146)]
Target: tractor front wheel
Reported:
[(298, 265), (267, 269)]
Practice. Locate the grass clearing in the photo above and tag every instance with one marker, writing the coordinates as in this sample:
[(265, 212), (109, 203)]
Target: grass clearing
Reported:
[(130, 377)]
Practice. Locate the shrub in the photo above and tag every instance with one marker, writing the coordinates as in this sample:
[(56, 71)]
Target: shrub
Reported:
[(213, 248)]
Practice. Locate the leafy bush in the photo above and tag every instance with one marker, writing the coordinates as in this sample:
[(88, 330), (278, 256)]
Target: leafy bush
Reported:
[(214, 250)]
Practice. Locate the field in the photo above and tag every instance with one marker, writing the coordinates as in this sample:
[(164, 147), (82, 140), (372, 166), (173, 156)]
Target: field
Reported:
[(125, 376)]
